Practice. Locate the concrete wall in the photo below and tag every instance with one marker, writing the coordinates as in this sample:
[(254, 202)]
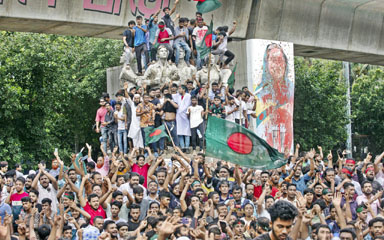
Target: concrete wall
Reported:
[(105, 18)]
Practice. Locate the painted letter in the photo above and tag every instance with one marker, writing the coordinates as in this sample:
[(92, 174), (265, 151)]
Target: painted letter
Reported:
[(112, 6), (144, 10)]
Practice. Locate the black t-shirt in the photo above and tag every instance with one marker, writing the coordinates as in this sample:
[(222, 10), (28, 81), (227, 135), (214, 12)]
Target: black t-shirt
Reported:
[(155, 102), (265, 236), (168, 107), (132, 226), (129, 38)]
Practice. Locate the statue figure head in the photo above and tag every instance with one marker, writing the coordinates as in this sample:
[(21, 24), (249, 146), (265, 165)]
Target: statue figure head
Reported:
[(162, 52)]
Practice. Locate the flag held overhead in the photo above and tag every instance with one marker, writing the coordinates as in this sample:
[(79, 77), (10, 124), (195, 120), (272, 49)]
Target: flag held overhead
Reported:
[(231, 142), (205, 6)]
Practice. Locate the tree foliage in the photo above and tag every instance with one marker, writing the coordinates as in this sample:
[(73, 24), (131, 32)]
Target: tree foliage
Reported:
[(319, 111), (49, 93), (367, 100)]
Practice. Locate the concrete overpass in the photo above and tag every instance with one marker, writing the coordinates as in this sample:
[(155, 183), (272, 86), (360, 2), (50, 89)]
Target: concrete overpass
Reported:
[(349, 30)]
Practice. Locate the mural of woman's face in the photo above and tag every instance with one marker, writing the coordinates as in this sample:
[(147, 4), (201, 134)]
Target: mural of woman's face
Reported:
[(276, 62)]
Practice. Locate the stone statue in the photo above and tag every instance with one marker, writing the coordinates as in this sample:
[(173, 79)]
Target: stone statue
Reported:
[(161, 71), (202, 75), (225, 73), (186, 71)]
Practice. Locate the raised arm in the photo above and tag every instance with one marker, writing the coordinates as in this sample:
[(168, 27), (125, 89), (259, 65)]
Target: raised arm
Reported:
[(174, 8), (82, 212), (233, 29), (37, 177), (183, 203), (152, 169), (80, 196)]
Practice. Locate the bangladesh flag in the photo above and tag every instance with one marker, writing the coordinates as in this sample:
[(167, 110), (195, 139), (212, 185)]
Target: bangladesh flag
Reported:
[(231, 79), (206, 44), (154, 134), (231, 142), (205, 6)]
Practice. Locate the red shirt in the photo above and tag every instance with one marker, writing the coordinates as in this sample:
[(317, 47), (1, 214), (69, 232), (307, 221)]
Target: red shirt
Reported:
[(163, 34), (258, 190), (99, 212), (143, 171)]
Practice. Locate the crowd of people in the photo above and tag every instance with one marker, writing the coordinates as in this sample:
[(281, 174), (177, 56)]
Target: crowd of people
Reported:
[(168, 189), (142, 39)]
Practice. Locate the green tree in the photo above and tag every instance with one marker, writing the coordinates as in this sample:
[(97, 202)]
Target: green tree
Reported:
[(49, 93), (319, 111), (367, 101)]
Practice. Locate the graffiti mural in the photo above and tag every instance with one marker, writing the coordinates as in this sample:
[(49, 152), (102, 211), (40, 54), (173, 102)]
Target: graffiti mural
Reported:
[(143, 7), (111, 6), (273, 82)]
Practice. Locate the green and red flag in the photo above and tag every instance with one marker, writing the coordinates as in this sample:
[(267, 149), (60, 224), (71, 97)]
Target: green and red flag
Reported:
[(154, 134), (231, 79), (205, 6), (206, 45), (231, 142)]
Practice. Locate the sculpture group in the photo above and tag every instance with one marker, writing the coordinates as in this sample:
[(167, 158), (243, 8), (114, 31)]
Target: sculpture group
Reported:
[(162, 71)]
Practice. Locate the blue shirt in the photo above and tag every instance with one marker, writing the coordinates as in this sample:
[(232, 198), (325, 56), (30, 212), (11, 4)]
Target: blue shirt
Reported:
[(139, 35), (152, 28), (301, 184)]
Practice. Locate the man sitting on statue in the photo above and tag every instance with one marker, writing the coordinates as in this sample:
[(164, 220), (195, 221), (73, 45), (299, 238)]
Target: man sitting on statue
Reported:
[(163, 37), (181, 37)]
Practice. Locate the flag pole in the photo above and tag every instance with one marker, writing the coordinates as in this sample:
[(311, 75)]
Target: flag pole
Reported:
[(209, 85), (170, 135)]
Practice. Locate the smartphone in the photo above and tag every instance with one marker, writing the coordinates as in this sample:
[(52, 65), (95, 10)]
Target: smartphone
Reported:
[(184, 221)]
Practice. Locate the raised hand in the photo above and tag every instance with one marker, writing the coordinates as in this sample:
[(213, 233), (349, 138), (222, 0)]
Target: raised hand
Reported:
[(169, 226), (336, 201), (330, 157)]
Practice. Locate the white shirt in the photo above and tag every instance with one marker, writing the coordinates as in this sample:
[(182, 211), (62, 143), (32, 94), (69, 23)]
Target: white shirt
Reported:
[(120, 123), (223, 45), (230, 108), (127, 187), (199, 33), (242, 106), (195, 118), (49, 192)]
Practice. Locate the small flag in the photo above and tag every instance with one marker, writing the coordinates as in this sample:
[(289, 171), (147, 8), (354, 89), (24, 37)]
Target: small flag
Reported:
[(205, 6), (231, 79), (154, 134), (231, 142), (206, 44), (82, 161)]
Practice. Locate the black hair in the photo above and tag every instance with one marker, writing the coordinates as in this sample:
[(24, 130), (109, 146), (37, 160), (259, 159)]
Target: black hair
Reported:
[(163, 194), (66, 228), (283, 210), (140, 156), (117, 193), (121, 224), (43, 231), (166, 9), (263, 222), (93, 195), (321, 203), (193, 97), (135, 206), (347, 185), (137, 190), (349, 230), (96, 185), (20, 179), (139, 17), (375, 220), (26, 199), (34, 191), (46, 200), (106, 223), (236, 188), (118, 103), (291, 184), (97, 217), (158, 204), (322, 226), (134, 174), (268, 197), (309, 190), (215, 84), (131, 22), (116, 203), (365, 182), (91, 165), (264, 172)]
